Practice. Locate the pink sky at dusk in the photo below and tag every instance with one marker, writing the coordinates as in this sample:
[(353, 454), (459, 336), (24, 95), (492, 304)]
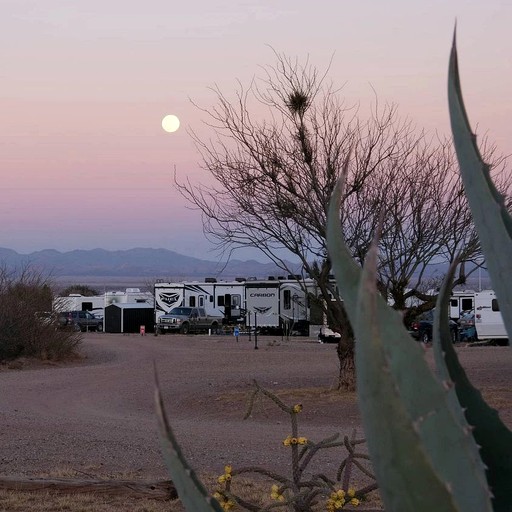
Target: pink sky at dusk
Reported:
[(84, 85)]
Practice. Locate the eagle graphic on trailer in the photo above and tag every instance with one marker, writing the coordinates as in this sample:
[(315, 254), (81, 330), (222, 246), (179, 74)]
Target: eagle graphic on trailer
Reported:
[(226, 299)]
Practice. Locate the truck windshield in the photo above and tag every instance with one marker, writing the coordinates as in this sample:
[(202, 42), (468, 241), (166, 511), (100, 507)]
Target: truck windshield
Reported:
[(180, 311)]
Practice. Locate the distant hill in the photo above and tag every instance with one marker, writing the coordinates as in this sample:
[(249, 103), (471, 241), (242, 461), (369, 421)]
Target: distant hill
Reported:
[(133, 263)]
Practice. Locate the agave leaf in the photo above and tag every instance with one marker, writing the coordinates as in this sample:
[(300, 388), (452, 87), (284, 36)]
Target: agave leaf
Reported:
[(492, 220), (391, 361), (493, 437), (191, 491), (406, 477)]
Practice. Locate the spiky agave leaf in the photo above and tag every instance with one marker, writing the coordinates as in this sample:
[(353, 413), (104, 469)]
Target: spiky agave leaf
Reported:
[(191, 491), (494, 438), (492, 220), (413, 434)]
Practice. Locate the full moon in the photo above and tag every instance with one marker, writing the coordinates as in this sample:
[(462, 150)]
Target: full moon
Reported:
[(170, 123)]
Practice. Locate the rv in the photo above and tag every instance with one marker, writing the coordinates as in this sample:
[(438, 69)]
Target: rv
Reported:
[(97, 303), (461, 300), (223, 298), (273, 304), (488, 320)]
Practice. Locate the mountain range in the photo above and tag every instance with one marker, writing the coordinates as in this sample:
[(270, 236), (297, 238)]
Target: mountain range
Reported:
[(133, 263)]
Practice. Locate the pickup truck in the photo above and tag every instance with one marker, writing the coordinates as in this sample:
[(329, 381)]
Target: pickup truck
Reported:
[(185, 320)]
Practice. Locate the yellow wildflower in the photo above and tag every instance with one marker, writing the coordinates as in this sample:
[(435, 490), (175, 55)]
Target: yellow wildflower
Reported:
[(355, 502), (225, 502), (351, 493), (294, 440), (302, 440), (297, 408), (275, 494), (287, 441), (226, 476)]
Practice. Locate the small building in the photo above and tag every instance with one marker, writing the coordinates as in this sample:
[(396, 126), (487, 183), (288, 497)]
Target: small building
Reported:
[(128, 318)]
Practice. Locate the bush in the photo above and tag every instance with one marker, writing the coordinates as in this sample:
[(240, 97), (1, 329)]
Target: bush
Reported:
[(24, 294)]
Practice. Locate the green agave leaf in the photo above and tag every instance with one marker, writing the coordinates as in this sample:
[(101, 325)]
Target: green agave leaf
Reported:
[(191, 491), (391, 360), (493, 437), (406, 477), (493, 222)]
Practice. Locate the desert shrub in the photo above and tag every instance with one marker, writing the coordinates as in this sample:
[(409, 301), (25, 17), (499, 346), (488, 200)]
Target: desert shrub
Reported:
[(24, 295)]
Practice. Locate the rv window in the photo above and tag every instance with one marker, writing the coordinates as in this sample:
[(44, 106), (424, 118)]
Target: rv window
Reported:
[(467, 305), (220, 300), (454, 303), (192, 302), (235, 301), (86, 306), (211, 298), (495, 305), (287, 299), (201, 302)]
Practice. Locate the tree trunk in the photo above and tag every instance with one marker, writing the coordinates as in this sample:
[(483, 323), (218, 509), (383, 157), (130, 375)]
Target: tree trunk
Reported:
[(347, 367)]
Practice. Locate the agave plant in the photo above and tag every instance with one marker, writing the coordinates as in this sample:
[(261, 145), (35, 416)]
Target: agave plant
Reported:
[(434, 443)]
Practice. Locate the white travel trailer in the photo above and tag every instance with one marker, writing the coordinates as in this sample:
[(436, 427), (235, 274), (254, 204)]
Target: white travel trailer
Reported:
[(223, 298), (97, 303), (77, 302), (488, 320)]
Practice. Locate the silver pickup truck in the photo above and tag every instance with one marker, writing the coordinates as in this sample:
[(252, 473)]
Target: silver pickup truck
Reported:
[(185, 320)]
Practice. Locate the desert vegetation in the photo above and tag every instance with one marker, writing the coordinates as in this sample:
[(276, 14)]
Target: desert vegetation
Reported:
[(27, 326)]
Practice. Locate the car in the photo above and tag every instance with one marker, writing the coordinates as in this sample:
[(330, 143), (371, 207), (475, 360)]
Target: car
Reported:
[(421, 328), (327, 335), (80, 321)]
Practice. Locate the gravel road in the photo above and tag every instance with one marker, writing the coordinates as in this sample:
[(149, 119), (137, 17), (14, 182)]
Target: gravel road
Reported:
[(98, 415)]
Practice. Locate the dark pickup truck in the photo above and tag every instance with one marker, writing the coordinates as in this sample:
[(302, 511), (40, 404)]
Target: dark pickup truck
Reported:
[(185, 320), (80, 321)]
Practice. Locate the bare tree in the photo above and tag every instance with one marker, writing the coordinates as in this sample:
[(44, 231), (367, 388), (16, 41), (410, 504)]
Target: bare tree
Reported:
[(273, 177)]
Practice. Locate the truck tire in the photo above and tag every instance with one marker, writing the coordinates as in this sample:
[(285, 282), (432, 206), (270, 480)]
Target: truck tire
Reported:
[(99, 328), (215, 328), (185, 328), (424, 338)]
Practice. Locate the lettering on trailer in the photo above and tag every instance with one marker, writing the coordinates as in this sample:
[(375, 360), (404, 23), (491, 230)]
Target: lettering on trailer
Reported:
[(262, 294)]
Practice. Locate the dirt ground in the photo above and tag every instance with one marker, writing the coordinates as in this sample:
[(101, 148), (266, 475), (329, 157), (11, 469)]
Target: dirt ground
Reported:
[(96, 416)]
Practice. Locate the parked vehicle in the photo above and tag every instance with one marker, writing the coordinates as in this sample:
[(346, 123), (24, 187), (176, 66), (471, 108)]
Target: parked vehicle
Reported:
[(421, 328), (327, 335), (80, 321), (186, 320)]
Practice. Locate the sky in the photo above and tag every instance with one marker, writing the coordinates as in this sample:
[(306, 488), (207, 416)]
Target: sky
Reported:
[(84, 85)]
